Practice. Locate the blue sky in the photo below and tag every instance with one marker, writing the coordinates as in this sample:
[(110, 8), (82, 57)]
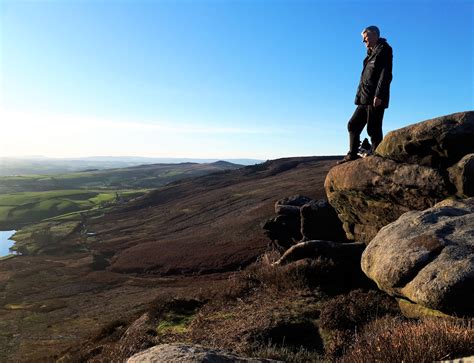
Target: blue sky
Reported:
[(218, 79)]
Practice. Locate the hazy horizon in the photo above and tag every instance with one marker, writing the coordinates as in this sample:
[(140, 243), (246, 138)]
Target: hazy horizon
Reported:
[(116, 157), (38, 165)]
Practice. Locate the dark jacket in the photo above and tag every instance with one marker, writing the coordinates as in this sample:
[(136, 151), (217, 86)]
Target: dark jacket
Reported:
[(376, 75)]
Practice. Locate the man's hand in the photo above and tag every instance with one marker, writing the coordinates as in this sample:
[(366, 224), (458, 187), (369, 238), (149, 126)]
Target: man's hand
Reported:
[(377, 101)]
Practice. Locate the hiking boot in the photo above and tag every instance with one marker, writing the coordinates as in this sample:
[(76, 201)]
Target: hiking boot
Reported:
[(364, 153), (347, 158)]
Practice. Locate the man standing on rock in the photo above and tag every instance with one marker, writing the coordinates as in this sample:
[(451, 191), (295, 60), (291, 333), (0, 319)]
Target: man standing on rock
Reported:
[(372, 94)]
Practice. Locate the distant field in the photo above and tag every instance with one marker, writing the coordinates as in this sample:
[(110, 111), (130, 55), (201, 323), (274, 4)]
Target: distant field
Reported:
[(30, 199), (136, 177), (31, 207)]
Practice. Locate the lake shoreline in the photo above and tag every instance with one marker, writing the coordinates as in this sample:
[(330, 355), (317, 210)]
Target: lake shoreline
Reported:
[(6, 243)]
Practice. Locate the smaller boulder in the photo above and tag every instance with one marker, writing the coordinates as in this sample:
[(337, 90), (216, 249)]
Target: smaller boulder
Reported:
[(327, 249), (285, 229), (319, 221), (301, 218), (186, 353)]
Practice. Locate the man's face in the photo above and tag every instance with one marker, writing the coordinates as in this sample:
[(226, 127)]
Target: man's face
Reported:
[(370, 39)]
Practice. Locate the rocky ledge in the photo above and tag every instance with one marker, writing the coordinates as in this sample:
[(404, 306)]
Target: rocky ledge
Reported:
[(412, 205), (414, 168)]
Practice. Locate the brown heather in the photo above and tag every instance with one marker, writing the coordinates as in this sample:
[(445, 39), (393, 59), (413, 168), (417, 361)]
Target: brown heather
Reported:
[(398, 340)]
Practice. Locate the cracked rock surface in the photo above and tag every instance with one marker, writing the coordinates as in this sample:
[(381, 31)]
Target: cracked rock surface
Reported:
[(427, 257), (372, 192)]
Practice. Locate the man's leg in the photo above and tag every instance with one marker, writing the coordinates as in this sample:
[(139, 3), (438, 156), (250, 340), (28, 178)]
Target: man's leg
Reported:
[(374, 125), (355, 126)]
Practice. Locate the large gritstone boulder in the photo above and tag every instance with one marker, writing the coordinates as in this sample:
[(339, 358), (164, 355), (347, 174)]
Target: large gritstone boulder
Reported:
[(372, 192), (427, 257), (439, 142)]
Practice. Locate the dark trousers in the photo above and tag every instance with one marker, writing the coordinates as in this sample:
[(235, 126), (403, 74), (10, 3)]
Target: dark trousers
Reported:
[(365, 115)]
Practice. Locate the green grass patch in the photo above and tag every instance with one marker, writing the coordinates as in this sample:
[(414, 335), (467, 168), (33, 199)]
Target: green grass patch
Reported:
[(174, 316), (45, 236), (33, 207), (103, 198), (4, 212), (174, 324)]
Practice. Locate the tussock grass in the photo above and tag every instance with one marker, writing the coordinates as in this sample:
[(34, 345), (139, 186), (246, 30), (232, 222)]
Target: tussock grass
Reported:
[(400, 340), (285, 354), (315, 274), (344, 315), (353, 310), (272, 312)]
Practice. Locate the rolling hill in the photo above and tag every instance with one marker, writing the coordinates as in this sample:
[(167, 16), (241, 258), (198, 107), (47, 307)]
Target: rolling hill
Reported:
[(134, 177)]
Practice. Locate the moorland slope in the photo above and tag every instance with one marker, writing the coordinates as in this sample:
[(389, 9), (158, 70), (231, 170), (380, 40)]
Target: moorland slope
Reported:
[(176, 241)]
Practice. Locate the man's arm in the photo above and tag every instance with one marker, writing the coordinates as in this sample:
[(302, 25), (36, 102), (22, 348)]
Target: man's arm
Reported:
[(385, 77)]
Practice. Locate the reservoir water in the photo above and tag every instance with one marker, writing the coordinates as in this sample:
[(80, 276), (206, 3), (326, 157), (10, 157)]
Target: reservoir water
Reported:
[(5, 242)]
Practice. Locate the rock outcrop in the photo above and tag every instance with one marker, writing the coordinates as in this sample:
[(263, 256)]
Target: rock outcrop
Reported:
[(301, 218), (410, 172), (427, 257), (186, 353)]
